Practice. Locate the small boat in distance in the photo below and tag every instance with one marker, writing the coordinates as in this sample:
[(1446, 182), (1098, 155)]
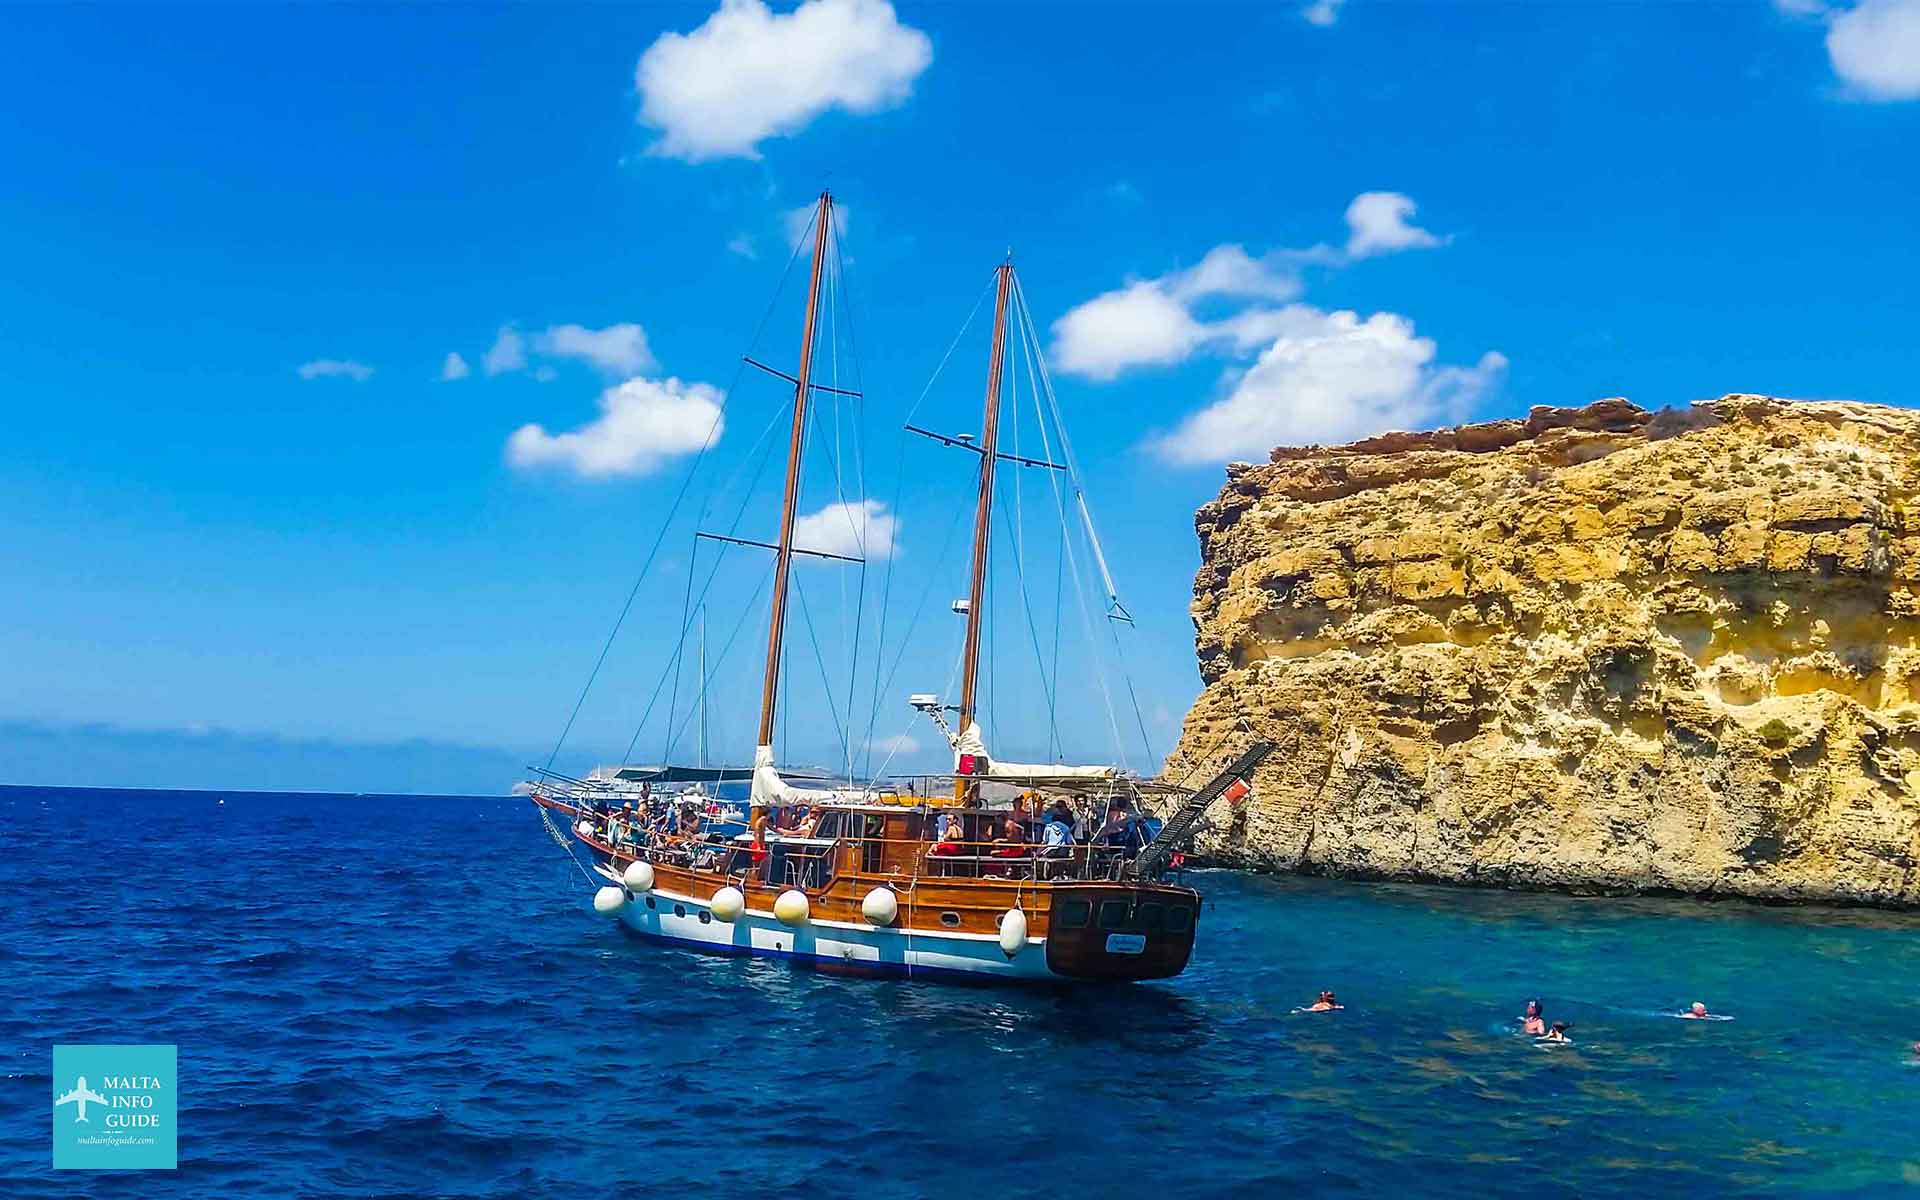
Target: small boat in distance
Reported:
[(995, 871)]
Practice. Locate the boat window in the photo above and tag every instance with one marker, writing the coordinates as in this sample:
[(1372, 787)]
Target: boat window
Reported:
[(872, 852), (1150, 917), (706, 918), (1179, 919), (950, 919), (1074, 914), (829, 826), (679, 910), (650, 903), (1113, 914)]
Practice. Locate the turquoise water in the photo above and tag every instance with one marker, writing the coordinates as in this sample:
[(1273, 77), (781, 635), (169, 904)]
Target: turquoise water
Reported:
[(413, 998)]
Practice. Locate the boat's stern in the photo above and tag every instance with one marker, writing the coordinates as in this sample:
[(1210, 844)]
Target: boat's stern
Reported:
[(1120, 931)]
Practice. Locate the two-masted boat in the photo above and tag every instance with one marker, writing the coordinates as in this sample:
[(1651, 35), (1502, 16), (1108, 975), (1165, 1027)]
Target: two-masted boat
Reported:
[(1000, 871)]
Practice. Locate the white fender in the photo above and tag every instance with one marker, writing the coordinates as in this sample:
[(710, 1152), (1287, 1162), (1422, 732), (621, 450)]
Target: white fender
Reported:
[(791, 908), (1013, 932), (609, 900), (881, 907), (583, 827), (728, 903), (638, 876)]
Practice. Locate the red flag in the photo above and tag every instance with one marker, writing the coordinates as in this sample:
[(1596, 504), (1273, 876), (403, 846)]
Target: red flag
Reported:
[(1237, 791)]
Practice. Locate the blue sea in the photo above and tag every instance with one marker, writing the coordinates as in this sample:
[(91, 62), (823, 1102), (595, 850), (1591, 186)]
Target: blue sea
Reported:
[(395, 997)]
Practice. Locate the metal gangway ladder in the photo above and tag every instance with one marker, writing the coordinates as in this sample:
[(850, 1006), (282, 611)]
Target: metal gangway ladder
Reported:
[(1181, 823)]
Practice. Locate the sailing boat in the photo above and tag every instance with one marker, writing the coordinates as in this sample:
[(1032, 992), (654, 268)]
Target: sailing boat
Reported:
[(878, 880)]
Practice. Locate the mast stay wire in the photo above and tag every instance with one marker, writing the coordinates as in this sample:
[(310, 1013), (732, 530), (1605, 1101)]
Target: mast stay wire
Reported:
[(706, 587), (673, 510), (1066, 542), (886, 587), (1116, 611)]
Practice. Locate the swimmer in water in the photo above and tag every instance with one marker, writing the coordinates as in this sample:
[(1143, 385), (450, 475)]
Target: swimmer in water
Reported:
[(1326, 1003), (1557, 1032), (1535, 1022), (1697, 1013)]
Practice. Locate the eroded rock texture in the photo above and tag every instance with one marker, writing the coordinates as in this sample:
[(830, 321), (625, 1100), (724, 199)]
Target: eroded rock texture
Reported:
[(1598, 648)]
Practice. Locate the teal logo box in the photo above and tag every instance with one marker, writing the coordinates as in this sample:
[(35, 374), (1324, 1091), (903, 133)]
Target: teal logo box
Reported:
[(116, 1108)]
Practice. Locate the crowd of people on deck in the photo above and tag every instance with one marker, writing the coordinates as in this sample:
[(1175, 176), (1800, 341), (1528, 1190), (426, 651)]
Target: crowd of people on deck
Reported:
[(1029, 831), (653, 820), (1029, 834)]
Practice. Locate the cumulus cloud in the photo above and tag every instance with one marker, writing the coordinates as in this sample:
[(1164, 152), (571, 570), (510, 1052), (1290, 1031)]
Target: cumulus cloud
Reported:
[(1875, 48), (1322, 12), (1152, 322), (454, 368), (618, 349), (643, 423), (327, 368), (1138, 325), (1377, 224), (748, 73), (1315, 375), (854, 528), (1331, 377), (742, 245), (508, 352)]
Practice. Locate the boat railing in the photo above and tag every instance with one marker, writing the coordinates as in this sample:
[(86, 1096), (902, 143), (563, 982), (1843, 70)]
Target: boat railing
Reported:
[(811, 863)]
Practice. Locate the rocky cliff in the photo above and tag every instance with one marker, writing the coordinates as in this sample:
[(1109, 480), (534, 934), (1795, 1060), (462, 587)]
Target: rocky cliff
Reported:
[(1598, 648)]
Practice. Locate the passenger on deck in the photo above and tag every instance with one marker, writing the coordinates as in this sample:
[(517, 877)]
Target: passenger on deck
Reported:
[(689, 822), (953, 835), (1535, 1022), (1012, 842), (1123, 831), (807, 823)]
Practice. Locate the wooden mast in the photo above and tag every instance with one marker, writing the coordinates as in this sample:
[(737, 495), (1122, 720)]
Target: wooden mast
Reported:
[(776, 633), (983, 509)]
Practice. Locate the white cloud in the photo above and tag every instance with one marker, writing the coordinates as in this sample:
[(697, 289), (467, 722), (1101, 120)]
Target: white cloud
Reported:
[(618, 349), (1802, 8), (508, 352), (1331, 377), (454, 368), (798, 222), (1377, 222), (1152, 322), (325, 368), (642, 424), (749, 73), (1231, 271), (1138, 325), (1322, 12), (545, 374), (1875, 48), (856, 529), (742, 245)]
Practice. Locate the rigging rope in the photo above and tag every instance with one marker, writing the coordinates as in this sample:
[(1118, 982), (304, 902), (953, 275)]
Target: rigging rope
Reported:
[(693, 472)]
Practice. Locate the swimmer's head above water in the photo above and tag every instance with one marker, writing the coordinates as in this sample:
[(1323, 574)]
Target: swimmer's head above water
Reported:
[(1534, 1009), (1698, 1010)]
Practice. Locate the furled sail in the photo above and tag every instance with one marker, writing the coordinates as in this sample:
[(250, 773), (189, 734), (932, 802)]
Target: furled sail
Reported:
[(971, 758), (770, 788)]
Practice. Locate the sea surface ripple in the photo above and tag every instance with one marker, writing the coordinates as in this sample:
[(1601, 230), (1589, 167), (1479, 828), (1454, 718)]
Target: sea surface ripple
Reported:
[(397, 997)]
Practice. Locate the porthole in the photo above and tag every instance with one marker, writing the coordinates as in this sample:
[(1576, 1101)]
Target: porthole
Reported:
[(679, 910), (650, 903), (950, 919), (706, 918)]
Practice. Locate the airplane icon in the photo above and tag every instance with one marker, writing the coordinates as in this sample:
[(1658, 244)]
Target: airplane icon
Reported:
[(80, 1097)]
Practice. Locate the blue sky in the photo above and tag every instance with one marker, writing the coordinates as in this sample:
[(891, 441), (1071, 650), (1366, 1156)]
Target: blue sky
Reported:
[(1566, 202)]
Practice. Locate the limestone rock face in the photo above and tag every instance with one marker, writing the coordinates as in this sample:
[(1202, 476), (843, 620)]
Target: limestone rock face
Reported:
[(1599, 648)]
